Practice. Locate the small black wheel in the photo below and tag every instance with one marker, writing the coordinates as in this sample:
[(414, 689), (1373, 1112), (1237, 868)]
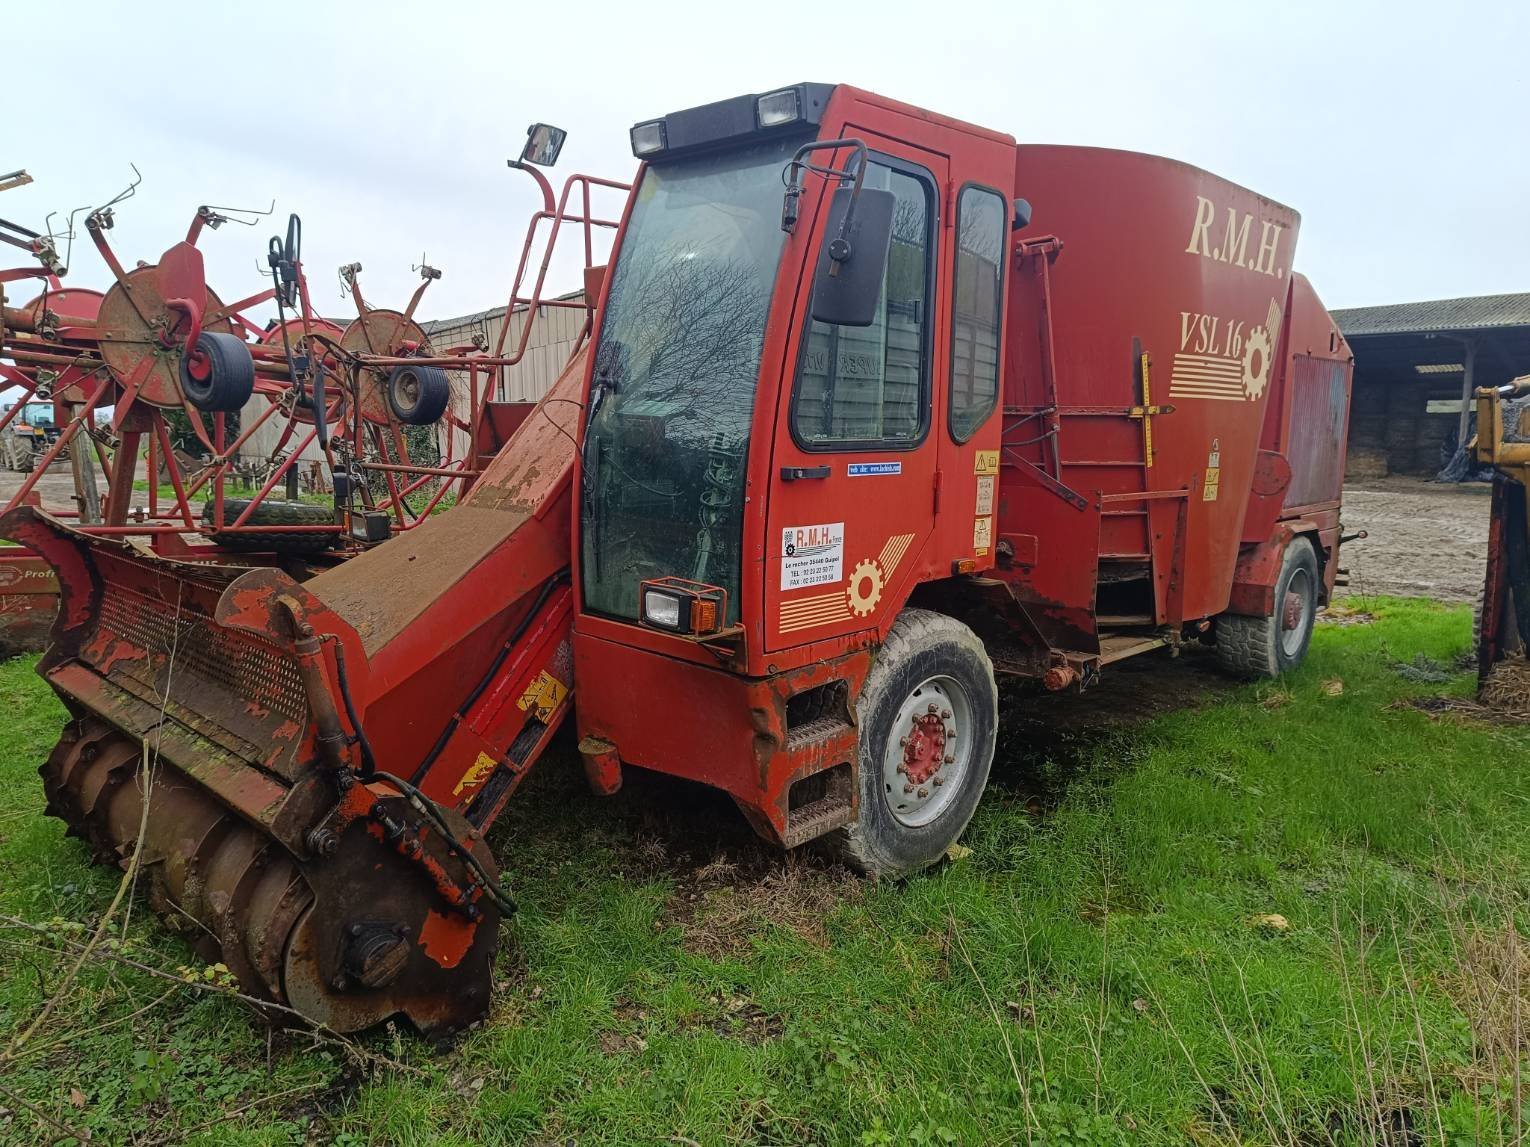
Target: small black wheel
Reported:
[(271, 512), (1269, 646), (928, 712), (418, 395), (219, 375)]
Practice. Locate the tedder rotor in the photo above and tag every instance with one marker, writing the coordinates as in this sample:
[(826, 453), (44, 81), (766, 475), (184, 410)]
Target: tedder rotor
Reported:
[(259, 863)]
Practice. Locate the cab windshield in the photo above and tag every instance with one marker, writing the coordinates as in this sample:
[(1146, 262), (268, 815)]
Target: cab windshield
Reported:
[(676, 366)]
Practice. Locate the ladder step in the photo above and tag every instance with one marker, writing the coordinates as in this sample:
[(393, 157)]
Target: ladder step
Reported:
[(1118, 646)]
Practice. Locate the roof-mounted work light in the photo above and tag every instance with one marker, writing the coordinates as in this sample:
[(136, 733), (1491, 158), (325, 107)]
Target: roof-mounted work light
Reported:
[(648, 138)]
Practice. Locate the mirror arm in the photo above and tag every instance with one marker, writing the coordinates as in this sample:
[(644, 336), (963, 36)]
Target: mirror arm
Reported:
[(548, 203), (839, 246)]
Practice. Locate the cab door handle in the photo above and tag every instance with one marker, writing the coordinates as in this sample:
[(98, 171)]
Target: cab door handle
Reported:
[(793, 473)]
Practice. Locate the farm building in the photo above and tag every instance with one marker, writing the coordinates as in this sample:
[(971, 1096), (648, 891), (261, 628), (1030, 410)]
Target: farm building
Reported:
[(554, 333), (1415, 363)]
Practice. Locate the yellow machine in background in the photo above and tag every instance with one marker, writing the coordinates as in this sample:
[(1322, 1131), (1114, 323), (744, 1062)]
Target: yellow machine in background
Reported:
[(1503, 442)]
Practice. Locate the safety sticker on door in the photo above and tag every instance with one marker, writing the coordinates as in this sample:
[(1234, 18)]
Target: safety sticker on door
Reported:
[(982, 535), (812, 555), (985, 495)]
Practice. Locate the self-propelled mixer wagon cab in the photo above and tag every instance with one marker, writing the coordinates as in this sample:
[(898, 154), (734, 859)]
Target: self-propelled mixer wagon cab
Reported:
[(853, 436)]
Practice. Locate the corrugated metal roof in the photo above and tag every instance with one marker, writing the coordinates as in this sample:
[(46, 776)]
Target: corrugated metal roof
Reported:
[(1479, 312), (478, 317)]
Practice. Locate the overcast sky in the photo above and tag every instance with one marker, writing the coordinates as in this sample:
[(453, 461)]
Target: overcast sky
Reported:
[(1400, 131)]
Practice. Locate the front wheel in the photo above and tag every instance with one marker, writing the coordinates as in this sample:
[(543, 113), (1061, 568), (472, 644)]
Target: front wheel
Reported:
[(1269, 646), (928, 716)]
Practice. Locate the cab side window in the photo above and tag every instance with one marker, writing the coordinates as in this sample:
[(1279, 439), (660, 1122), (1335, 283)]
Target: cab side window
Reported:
[(869, 386), (979, 293)]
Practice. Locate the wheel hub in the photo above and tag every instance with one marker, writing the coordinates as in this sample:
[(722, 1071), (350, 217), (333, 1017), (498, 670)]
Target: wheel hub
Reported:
[(924, 751), (926, 758), (1291, 614)]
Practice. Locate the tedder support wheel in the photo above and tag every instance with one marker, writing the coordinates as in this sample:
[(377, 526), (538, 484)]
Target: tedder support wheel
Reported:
[(1269, 646), (272, 513), (219, 375), (418, 395), (928, 715)]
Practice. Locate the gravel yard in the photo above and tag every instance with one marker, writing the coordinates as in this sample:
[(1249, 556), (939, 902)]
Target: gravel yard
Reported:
[(1424, 539)]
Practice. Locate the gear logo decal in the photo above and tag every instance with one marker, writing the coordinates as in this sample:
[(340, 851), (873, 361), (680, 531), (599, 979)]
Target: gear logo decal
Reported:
[(1256, 362), (865, 588), (1224, 361), (860, 596)]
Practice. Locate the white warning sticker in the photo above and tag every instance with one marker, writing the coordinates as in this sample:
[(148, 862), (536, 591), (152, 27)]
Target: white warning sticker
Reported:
[(982, 535), (812, 555), (985, 495)]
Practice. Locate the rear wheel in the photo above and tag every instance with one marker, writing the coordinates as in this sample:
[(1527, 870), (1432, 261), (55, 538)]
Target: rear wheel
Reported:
[(1269, 646), (928, 715)]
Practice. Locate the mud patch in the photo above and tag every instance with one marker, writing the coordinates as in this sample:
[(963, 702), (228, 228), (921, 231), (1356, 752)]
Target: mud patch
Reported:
[(1048, 740), (722, 910), (1340, 615), (1424, 539)]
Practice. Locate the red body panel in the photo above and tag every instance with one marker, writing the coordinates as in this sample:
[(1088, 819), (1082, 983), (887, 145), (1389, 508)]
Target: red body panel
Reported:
[(1152, 341)]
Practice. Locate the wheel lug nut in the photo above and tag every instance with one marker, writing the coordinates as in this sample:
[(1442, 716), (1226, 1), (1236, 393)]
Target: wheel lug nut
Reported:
[(937, 781), (903, 769), (908, 789), (950, 759), (924, 792), (934, 708), (945, 714), (903, 742)]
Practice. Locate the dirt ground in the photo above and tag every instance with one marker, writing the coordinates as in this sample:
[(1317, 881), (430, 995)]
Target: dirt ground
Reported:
[(56, 487), (1424, 539)]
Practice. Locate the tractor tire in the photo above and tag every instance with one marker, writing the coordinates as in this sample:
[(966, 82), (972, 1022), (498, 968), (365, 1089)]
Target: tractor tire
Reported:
[(418, 395), (223, 378), (1266, 647), (929, 712), (272, 513)]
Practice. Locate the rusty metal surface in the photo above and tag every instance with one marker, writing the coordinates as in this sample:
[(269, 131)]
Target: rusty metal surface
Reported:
[(132, 317), (302, 931), (380, 332)]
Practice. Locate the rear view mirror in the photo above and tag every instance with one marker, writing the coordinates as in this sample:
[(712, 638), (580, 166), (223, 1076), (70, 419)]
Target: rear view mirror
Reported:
[(543, 143), (853, 262)]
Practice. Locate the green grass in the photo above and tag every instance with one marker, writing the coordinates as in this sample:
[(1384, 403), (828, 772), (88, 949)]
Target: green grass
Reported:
[(1092, 972)]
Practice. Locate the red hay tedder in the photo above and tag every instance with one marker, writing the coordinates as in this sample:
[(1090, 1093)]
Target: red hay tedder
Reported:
[(852, 436)]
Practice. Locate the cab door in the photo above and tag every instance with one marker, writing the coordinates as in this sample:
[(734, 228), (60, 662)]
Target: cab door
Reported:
[(852, 496)]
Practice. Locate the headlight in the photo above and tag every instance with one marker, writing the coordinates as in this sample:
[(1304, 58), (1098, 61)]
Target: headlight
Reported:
[(777, 108), (662, 609), (648, 138), (681, 606)]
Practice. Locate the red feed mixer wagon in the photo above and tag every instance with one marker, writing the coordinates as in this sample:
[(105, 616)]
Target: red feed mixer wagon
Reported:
[(853, 436)]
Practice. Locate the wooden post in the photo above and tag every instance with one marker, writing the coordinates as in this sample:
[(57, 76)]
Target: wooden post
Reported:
[(1466, 394)]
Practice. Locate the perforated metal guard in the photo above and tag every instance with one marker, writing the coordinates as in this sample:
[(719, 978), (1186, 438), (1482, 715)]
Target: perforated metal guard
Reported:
[(188, 651)]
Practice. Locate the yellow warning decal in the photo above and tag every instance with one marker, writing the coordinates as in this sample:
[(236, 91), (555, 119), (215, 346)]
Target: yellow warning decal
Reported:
[(543, 695), (985, 462), (1213, 472), (477, 773)]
